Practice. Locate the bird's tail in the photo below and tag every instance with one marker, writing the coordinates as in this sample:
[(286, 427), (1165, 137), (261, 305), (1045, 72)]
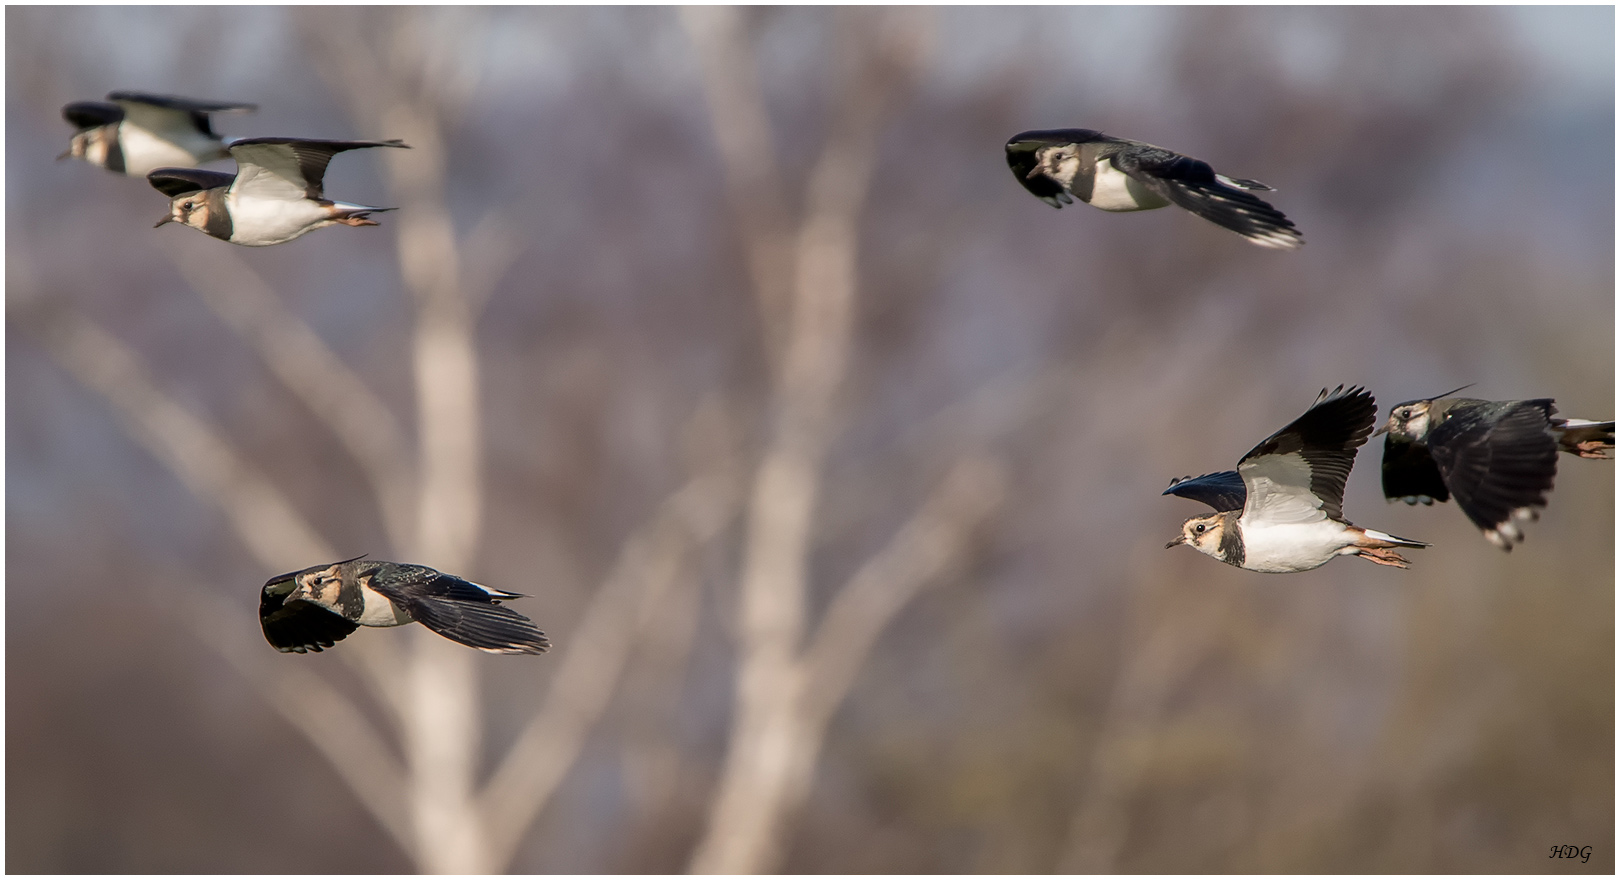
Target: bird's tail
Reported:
[(1585, 438), (1379, 547), (1374, 539), (485, 626), (356, 215)]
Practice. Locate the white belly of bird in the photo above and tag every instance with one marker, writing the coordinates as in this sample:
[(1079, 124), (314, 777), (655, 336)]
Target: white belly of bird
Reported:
[(273, 221), (1286, 547), (1114, 190), (145, 152), (378, 611)]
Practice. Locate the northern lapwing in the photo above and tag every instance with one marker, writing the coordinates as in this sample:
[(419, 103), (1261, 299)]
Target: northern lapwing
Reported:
[(1497, 457), (1115, 174), (135, 133), (1281, 510), (274, 196), (317, 607)]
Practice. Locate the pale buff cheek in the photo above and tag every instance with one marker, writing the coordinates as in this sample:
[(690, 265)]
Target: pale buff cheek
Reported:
[(1062, 166), (198, 217)]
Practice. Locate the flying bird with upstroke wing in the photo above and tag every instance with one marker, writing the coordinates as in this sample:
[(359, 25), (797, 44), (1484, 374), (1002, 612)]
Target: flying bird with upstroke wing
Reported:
[(1282, 509)]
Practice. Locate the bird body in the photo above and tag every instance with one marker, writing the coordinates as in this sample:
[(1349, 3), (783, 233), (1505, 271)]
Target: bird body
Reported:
[(1115, 174), (1497, 458), (135, 133), (275, 196), (314, 608), (1284, 547), (1288, 515)]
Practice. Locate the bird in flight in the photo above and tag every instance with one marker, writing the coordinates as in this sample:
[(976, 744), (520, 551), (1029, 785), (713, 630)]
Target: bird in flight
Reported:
[(134, 133), (1498, 458), (275, 195), (1115, 174), (317, 607), (1282, 509)]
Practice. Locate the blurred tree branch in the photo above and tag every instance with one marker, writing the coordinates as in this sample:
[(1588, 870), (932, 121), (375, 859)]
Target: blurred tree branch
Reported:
[(921, 553), (206, 462), (1179, 636), (325, 717), (262, 518), (308, 368), (753, 178), (589, 672), (780, 710)]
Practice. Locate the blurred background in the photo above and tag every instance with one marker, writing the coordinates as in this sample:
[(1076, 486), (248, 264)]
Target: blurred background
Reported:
[(830, 458)]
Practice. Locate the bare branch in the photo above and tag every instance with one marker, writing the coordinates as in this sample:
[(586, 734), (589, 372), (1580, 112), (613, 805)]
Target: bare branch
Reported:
[(771, 749), (491, 247), (1156, 662), (327, 719), (598, 651), (930, 544), (753, 175), (263, 518), (308, 368)]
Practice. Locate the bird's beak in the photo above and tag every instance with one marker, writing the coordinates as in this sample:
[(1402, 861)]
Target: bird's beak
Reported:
[(1382, 430), (66, 154), (167, 218), (1180, 539)]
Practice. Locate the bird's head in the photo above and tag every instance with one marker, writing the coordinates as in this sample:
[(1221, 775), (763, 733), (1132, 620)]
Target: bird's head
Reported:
[(1061, 162), (77, 146), (1413, 420), (90, 144), (1202, 533), (1408, 421), (319, 586), (191, 209)]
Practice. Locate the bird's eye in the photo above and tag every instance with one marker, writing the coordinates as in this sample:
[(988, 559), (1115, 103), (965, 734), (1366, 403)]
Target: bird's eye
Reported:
[(1199, 528), (185, 206)]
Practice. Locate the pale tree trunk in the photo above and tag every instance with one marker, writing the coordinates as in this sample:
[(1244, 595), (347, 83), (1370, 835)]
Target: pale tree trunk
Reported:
[(790, 678), (392, 95)]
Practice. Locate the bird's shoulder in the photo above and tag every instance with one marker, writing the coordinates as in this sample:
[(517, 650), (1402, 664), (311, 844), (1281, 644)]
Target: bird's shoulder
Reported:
[(1223, 490), (174, 182), (92, 114)]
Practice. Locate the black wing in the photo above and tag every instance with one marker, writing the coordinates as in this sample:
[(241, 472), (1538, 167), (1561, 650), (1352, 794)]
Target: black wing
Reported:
[(1410, 472), (298, 626), (1193, 185), (459, 610), (1223, 490), (92, 114), (1024, 155), (1327, 437), (1496, 461), (197, 110), (179, 181), (304, 157)]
